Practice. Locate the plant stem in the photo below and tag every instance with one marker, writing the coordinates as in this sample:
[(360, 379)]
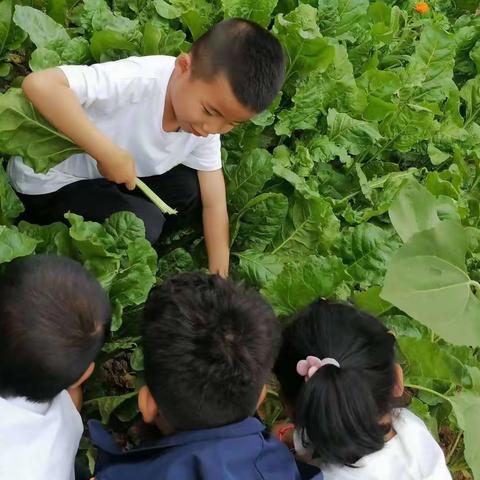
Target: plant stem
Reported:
[(428, 390), (453, 448)]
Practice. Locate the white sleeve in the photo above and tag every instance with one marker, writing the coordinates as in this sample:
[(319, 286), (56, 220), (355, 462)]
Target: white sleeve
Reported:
[(108, 85), (206, 156)]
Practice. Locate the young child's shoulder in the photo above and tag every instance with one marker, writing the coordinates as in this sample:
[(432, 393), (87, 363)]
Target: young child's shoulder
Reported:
[(411, 453), (45, 432), (240, 450)]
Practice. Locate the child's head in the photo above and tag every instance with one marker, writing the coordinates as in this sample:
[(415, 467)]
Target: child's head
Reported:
[(343, 411), (234, 71), (53, 321), (209, 348)]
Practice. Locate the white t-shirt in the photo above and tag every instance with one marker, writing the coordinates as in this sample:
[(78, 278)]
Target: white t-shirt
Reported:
[(125, 100), (412, 454), (39, 441)]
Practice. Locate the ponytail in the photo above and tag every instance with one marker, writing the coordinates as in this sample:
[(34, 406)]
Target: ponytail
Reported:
[(337, 414), (338, 411)]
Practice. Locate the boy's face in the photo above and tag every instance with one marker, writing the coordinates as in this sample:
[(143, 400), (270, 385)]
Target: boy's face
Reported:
[(201, 107)]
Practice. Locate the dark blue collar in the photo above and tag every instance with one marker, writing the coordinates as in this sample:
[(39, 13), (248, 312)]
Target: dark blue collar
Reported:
[(101, 438)]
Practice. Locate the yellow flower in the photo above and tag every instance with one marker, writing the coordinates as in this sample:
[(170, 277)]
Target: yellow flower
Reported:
[(422, 7)]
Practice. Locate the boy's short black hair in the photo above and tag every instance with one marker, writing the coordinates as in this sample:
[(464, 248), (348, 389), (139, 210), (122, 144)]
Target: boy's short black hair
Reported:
[(209, 348), (249, 56), (53, 321)]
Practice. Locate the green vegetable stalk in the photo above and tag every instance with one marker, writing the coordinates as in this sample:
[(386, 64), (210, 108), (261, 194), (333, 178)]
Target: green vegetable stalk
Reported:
[(155, 198)]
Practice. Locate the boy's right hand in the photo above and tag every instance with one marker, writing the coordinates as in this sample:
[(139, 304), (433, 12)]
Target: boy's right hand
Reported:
[(117, 165)]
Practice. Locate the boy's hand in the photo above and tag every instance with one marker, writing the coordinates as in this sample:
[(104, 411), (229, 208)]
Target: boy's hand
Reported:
[(117, 165)]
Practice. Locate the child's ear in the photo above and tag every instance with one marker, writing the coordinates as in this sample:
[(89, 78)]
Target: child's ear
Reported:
[(398, 387), (183, 63), (147, 405), (86, 375), (261, 398)]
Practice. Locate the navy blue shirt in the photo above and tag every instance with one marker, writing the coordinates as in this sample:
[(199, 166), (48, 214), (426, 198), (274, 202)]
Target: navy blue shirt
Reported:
[(241, 450)]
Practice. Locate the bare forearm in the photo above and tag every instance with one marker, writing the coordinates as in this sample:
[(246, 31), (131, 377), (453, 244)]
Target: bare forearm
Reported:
[(216, 230), (51, 96)]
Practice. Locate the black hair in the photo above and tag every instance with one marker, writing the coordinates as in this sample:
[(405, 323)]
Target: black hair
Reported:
[(209, 348), (249, 56), (53, 321), (338, 410)]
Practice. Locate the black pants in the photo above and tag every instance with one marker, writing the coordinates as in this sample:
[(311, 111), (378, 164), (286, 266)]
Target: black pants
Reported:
[(97, 199)]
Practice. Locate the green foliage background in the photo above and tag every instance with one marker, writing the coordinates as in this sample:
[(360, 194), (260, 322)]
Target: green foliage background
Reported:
[(360, 183)]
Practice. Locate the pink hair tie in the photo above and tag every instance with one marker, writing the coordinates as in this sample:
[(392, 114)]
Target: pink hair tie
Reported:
[(308, 367)]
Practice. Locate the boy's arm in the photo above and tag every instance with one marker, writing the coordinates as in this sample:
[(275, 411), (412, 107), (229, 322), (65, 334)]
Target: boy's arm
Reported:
[(51, 95), (215, 221)]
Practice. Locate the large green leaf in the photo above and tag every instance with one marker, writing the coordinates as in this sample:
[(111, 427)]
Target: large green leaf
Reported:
[(413, 210), (197, 15), (354, 135), (306, 48), (342, 18), (427, 360), (406, 127), (427, 279), (57, 9), (370, 301), (42, 30), (330, 85), (466, 406), (470, 94), (10, 205), (14, 244), (259, 221), (429, 75), (107, 405), (248, 178), (310, 226), (53, 239), (103, 42), (259, 268), (380, 87), (303, 282), (135, 277), (24, 132), (43, 58), (6, 11), (257, 11), (366, 250)]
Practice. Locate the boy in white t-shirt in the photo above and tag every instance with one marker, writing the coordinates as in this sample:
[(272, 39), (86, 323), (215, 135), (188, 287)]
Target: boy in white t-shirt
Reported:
[(53, 321), (158, 118)]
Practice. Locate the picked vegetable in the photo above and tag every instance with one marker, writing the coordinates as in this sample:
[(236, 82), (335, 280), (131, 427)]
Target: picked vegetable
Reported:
[(155, 198)]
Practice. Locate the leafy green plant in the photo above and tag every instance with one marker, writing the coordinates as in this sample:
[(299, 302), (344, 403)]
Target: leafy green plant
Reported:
[(360, 183)]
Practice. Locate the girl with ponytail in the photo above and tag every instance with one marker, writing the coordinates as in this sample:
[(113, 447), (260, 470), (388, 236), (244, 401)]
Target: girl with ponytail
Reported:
[(342, 385)]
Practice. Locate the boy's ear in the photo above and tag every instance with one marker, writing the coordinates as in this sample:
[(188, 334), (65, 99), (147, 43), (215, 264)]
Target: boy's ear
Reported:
[(183, 63), (147, 405), (86, 375), (261, 398), (399, 386)]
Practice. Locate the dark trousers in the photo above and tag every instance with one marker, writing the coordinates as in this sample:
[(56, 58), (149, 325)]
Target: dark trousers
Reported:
[(97, 199)]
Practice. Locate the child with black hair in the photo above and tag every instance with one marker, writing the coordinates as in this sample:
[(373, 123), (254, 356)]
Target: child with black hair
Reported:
[(341, 384), (158, 117), (209, 347), (53, 321)]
